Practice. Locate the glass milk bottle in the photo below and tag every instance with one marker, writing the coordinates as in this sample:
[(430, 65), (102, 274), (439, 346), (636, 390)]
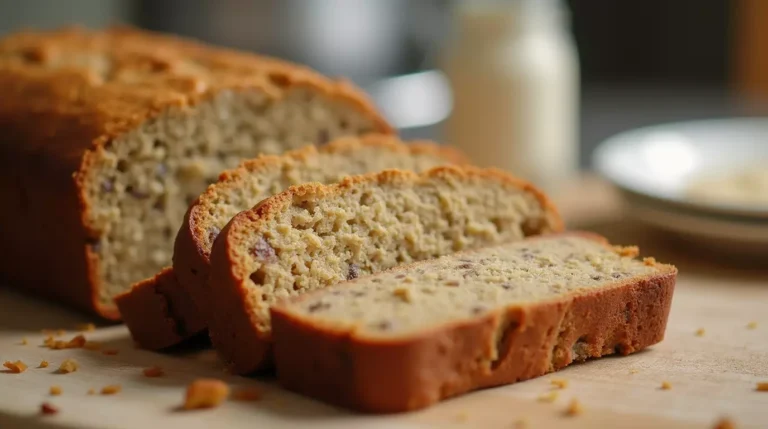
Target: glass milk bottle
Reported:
[(513, 70)]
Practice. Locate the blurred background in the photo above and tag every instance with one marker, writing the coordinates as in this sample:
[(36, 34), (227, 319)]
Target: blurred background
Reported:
[(640, 62)]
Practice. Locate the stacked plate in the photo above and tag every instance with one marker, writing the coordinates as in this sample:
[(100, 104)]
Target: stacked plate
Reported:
[(707, 180)]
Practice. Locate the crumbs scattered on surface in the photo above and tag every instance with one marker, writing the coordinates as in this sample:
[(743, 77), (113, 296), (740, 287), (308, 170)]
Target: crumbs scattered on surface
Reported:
[(91, 391), (15, 367), (48, 409), (462, 416), (110, 352), (205, 393), (53, 332), (559, 383), (250, 394), (43, 364), (724, 423), (665, 385), (68, 366), (86, 327), (752, 325), (700, 332), (154, 371), (24, 342), (762, 386), (111, 389), (548, 397), (55, 390), (574, 408), (78, 341), (634, 371)]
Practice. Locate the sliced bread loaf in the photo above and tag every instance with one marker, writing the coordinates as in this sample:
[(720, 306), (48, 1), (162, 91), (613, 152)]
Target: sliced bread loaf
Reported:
[(107, 136), (313, 236), (162, 311), (409, 337)]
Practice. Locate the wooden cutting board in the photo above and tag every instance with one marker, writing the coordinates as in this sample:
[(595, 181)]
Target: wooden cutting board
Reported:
[(712, 376)]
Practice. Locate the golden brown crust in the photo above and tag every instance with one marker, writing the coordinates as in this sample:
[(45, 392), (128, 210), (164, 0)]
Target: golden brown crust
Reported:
[(70, 92), (345, 368), (162, 311), (231, 321)]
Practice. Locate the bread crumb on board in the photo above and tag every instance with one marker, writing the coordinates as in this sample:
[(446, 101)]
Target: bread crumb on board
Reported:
[(700, 332), (48, 409), (462, 416), (634, 370), (249, 394), (43, 364), (78, 341), (69, 365), (724, 423), (15, 367), (154, 371), (91, 391), (752, 325), (559, 383), (111, 389), (205, 393), (55, 390), (665, 385), (548, 397), (24, 342), (762, 386), (86, 327), (574, 408)]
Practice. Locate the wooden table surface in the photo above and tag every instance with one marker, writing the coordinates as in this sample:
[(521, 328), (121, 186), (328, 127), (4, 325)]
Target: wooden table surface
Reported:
[(712, 376)]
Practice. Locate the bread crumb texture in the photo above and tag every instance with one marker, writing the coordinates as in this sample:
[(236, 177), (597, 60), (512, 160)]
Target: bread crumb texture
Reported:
[(752, 325), (574, 408), (700, 332), (154, 371), (548, 397), (55, 390), (521, 424), (43, 364), (48, 409), (666, 385), (205, 393), (467, 285), (559, 383), (68, 366), (762, 386), (16, 367), (111, 389), (86, 327), (91, 391), (24, 342)]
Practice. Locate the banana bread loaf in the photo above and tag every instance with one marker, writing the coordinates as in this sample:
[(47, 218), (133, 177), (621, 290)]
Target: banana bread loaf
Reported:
[(312, 236), (160, 312), (106, 137), (409, 337)]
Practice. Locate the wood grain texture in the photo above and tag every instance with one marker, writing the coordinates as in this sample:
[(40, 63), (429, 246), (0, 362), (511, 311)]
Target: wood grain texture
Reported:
[(713, 375)]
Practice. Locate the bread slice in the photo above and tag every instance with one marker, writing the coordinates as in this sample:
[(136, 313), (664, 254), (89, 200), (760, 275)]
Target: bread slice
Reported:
[(161, 312), (107, 136), (409, 337), (313, 236)]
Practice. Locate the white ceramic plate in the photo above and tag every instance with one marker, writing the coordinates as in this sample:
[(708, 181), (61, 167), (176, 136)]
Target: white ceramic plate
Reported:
[(655, 167)]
